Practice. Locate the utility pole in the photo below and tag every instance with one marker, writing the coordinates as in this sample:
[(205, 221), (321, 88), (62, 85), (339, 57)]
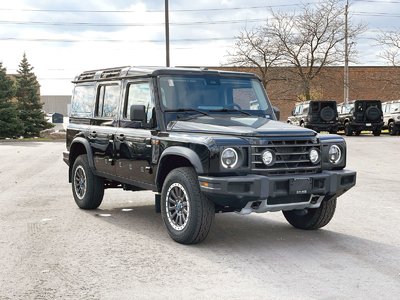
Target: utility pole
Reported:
[(167, 33), (346, 54)]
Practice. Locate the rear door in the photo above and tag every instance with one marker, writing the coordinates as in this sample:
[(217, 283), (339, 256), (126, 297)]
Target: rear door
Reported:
[(104, 126)]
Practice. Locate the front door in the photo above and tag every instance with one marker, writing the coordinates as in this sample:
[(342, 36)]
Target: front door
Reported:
[(133, 139)]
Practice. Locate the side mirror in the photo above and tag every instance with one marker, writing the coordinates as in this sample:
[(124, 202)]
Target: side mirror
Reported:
[(138, 113), (293, 112), (277, 112)]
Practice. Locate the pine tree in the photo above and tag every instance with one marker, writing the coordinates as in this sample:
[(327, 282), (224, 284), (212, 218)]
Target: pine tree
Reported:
[(28, 99), (10, 124)]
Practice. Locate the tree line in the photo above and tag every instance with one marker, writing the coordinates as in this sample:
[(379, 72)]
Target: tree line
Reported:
[(305, 41), (20, 107)]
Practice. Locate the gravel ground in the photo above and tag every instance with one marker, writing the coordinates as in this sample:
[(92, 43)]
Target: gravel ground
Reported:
[(49, 249)]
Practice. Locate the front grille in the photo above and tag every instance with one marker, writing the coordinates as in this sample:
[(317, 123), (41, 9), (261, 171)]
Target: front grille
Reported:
[(291, 157)]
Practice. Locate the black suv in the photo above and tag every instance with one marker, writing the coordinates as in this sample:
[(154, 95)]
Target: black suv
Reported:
[(204, 141), (317, 115), (360, 115), (391, 116)]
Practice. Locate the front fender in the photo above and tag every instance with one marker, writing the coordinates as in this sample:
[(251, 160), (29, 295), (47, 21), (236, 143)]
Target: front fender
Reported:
[(187, 153)]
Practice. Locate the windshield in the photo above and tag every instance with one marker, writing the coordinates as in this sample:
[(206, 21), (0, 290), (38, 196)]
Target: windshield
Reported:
[(212, 93)]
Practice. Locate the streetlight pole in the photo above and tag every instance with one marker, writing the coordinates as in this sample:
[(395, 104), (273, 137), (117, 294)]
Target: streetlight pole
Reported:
[(167, 33), (346, 55)]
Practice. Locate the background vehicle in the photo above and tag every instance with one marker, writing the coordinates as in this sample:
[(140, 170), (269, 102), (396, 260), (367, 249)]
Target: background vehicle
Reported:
[(391, 116), (317, 115), (361, 115), (204, 141)]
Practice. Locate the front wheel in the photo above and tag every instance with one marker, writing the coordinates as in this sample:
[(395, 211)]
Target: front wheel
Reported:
[(186, 211), (312, 218), (87, 188)]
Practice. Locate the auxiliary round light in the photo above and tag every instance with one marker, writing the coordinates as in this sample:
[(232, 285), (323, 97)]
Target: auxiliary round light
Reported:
[(314, 156), (335, 154), (268, 158), (229, 158)]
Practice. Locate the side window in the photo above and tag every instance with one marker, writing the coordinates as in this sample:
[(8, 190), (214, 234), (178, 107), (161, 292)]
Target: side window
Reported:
[(305, 109), (138, 94), (107, 101), (297, 110), (82, 102)]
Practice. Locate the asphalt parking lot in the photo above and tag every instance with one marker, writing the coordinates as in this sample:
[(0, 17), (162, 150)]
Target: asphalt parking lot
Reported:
[(49, 249)]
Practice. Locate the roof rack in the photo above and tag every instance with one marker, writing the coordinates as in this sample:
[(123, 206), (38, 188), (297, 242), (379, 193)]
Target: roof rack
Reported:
[(100, 73)]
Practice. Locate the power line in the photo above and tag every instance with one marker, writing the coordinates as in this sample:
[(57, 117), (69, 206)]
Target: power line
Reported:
[(152, 11), (109, 40), (44, 23)]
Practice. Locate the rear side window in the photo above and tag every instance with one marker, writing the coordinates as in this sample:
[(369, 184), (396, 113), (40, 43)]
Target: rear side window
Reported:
[(107, 101), (82, 102)]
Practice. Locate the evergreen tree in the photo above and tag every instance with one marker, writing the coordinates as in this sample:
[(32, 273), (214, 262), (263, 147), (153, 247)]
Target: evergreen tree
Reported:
[(28, 99), (10, 124)]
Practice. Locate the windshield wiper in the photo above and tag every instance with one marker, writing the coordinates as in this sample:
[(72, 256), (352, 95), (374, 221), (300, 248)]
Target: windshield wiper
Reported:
[(187, 110), (232, 110)]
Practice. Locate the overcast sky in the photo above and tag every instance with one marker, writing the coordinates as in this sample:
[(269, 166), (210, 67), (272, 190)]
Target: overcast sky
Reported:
[(64, 38)]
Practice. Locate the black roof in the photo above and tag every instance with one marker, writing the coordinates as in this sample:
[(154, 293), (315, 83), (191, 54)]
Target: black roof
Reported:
[(126, 72)]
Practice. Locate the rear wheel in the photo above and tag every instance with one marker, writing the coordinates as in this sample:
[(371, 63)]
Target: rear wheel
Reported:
[(312, 218), (376, 132), (347, 129), (392, 129), (87, 188), (186, 211)]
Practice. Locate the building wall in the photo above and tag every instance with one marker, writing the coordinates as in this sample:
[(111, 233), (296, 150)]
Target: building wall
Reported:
[(56, 104)]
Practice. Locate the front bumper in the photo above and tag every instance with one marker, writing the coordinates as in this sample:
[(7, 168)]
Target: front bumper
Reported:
[(276, 192)]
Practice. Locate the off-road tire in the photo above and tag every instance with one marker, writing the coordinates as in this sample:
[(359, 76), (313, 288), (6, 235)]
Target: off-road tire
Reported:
[(327, 114), (87, 188), (201, 209), (347, 129), (392, 128), (312, 218), (376, 132)]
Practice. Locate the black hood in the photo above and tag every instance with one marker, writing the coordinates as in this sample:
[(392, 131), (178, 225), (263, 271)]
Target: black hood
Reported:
[(237, 125)]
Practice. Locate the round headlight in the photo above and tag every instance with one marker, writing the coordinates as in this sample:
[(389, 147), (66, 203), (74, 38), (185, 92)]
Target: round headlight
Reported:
[(229, 158), (314, 156), (335, 154), (268, 158)]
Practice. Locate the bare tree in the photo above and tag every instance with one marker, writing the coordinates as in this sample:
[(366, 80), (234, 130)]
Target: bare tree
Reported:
[(312, 38), (306, 41), (259, 49), (390, 44)]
